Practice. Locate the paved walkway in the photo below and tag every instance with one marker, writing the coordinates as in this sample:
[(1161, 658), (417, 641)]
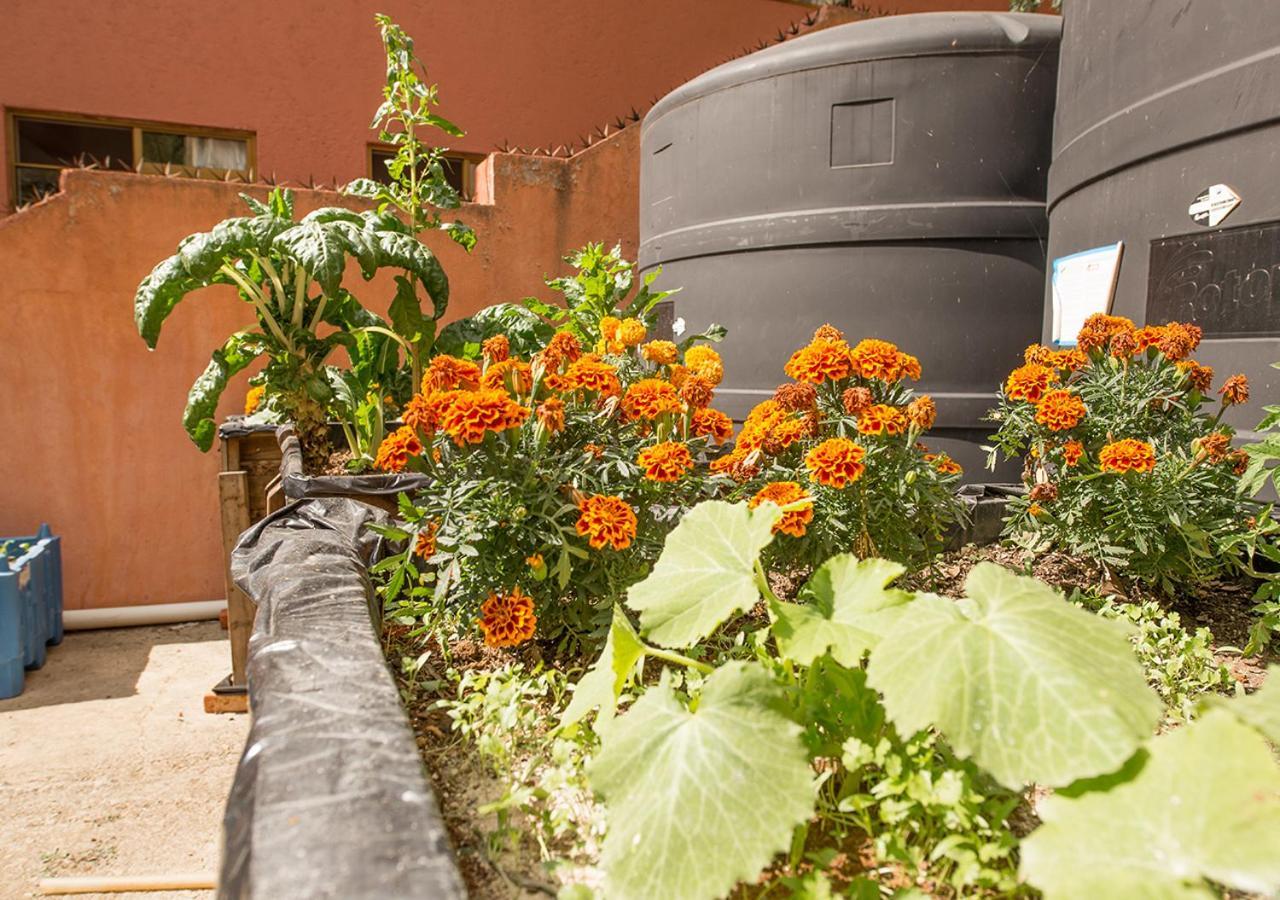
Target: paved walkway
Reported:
[(109, 764)]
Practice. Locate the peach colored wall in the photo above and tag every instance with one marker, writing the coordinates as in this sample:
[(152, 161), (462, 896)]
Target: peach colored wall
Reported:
[(95, 444), (306, 75)]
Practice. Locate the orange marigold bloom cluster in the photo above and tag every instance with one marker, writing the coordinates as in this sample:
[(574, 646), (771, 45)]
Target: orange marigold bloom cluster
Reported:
[(1128, 455), (1100, 328), (882, 419), (828, 332), (1235, 391), (944, 464), (422, 412), (253, 399), (883, 361), (856, 399), (562, 348), (425, 543), (550, 413), (1072, 453), (508, 620), (697, 392), (649, 398), (787, 432), (631, 333), (469, 415), (1029, 382), (922, 412), (1200, 377), (397, 449), (1179, 340), (448, 373), (820, 360), (705, 363), (508, 375), (590, 373), (1215, 446), (835, 462), (665, 462), (760, 423), (1070, 360), (797, 397), (609, 326), (1060, 410), (711, 423), (496, 348), (662, 353), (605, 520), (784, 493)]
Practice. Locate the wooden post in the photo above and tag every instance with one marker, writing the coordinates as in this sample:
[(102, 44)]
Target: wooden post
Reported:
[(233, 492)]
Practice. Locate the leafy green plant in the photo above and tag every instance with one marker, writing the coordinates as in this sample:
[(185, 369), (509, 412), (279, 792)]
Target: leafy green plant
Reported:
[(716, 767)]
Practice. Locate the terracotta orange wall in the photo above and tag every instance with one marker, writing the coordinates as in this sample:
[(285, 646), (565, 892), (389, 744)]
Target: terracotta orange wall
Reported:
[(94, 443), (306, 75)]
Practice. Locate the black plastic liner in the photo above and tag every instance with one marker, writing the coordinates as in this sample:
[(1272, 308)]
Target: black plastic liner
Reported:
[(987, 505), (330, 798), (300, 486)]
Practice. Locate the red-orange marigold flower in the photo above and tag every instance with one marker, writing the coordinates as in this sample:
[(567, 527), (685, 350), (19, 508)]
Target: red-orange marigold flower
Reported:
[(1029, 382), (1235, 390), (945, 465), (856, 399), (665, 462), (447, 373), (1200, 377), (396, 450), (1215, 446), (508, 375), (784, 493), (697, 392), (662, 353), (835, 462), (922, 412), (496, 348), (797, 396), (1039, 354), (828, 332), (649, 398), (711, 423), (508, 620), (605, 520), (876, 359), (820, 361), (425, 543), (1060, 410), (1128, 455), (1100, 328), (550, 413), (1178, 340), (469, 415), (562, 348), (1072, 453), (882, 419)]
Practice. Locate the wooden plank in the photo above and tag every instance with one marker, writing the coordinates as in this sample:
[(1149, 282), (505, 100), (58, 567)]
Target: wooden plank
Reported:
[(97, 884), (219, 704), (233, 492)]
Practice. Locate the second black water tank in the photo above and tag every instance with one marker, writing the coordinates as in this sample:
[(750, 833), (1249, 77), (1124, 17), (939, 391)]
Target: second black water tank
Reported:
[(886, 176)]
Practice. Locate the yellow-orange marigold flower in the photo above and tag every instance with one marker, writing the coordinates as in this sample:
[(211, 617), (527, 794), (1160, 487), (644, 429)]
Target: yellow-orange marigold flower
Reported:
[(819, 361), (1060, 410), (508, 375), (253, 399), (835, 462), (1029, 382), (447, 373), (469, 415), (876, 359), (396, 450), (711, 423), (595, 451), (1147, 336), (880, 418), (697, 392), (922, 412), (784, 493), (703, 362), (1235, 390), (496, 348), (590, 373), (609, 326), (1127, 455), (665, 462), (662, 353), (943, 464), (425, 543), (508, 620), (605, 520), (550, 413), (631, 333), (649, 398), (908, 367), (1072, 453)]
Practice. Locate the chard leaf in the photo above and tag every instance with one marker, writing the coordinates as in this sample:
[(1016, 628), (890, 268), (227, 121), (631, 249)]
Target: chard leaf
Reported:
[(158, 294), (604, 683), (700, 799), (319, 249), (404, 251), (705, 574), (1029, 686), (1206, 805), (199, 418), (850, 605)]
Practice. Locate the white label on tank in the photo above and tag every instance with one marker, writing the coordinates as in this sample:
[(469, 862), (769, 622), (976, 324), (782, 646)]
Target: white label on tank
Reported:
[(1213, 205)]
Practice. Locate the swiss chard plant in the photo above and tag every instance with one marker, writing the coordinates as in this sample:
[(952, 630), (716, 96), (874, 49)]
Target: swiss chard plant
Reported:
[(733, 761)]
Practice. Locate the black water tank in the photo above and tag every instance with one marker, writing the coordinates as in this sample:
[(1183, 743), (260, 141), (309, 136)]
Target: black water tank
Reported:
[(1159, 102), (886, 176)]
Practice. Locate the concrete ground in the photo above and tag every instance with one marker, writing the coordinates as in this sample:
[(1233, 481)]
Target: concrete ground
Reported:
[(109, 764)]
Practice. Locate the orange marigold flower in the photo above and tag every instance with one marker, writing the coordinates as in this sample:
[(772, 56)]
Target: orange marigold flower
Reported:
[(1039, 355), (606, 520), (425, 544), (562, 348), (1044, 491), (589, 373), (784, 493), (922, 412), (469, 415), (508, 375), (1235, 391), (796, 397), (819, 361), (711, 423), (1178, 340), (835, 462), (1072, 453), (946, 465), (631, 333), (828, 332), (595, 451), (1035, 509), (535, 561), (1239, 461), (1100, 328), (1029, 382), (253, 399), (873, 358), (609, 326), (1072, 360), (496, 348), (1060, 410), (662, 353), (508, 620), (856, 399), (1123, 344), (882, 419), (396, 450), (1147, 336), (649, 398), (550, 413), (422, 413), (665, 462), (1128, 455), (1214, 446), (1200, 377), (786, 432), (703, 362), (697, 392), (908, 367), (447, 373)]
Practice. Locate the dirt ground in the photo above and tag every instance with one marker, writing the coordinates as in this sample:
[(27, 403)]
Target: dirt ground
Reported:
[(109, 764)]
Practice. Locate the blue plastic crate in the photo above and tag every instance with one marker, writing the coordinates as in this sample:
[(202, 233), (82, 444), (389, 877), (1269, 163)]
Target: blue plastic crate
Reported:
[(30, 605)]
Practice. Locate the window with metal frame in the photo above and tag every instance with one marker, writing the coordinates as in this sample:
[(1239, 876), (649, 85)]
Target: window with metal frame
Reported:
[(459, 169)]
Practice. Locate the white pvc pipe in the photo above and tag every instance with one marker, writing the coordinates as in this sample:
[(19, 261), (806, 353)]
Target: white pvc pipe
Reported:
[(130, 616)]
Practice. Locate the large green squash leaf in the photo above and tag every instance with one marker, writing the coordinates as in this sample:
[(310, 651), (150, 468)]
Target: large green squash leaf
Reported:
[(1206, 805), (1034, 689), (1260, 709), (700, 799), (603, 684), (241, 348), (705, 574), (850, 605)]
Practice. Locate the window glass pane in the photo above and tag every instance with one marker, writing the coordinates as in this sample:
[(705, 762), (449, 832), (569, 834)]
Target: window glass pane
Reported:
[(70, 143), (378, 163), (453, 173), (36, 183), (158, 147), (217, 153)]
